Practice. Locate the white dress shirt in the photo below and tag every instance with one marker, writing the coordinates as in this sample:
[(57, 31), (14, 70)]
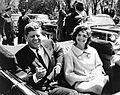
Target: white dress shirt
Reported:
[(44, 57)]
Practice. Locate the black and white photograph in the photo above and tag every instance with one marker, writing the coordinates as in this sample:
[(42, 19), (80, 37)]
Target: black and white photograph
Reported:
[(59, 47)]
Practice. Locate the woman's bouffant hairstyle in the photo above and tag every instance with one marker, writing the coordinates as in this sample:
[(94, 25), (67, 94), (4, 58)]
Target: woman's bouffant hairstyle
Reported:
[(79, 28)]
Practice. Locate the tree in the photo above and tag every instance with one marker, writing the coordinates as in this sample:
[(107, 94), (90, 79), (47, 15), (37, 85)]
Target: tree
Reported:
[(38, 6), (118, 8), (2, 5)]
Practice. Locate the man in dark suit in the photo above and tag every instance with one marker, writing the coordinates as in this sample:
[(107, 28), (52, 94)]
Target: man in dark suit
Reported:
[(2, 21), (77, 16), (9, 36), (41, 60), (22, 22)]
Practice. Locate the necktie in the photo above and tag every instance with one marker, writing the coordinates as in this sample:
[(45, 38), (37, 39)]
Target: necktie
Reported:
[(40, 59)]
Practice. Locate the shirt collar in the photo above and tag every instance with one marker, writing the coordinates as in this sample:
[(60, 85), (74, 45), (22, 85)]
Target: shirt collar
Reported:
[(34, 50), (79, 52)]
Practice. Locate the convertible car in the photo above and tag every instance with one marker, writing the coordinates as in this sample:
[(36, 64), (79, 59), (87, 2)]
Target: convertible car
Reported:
[(102, 38), (10, 83)]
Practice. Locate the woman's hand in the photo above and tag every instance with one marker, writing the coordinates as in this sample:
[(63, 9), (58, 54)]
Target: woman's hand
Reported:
[(90, 77), (57, 69), (115, 59)]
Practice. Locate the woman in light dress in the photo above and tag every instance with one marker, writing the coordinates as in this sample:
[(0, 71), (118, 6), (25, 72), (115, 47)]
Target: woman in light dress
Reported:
[(83, 66)]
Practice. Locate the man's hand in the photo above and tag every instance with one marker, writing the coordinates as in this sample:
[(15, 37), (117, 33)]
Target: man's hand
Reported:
[(40, 72)]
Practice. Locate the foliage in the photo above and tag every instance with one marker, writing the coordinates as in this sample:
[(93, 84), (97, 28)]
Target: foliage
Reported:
[(118, 8), (38, 6), (2, 5), (97, 5)]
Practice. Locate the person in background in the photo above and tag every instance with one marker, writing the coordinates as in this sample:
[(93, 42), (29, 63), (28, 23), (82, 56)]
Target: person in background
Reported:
[(76, 17), (41, 60), (22, 22), (60, 23), (82, 65), (8, 28), (2, 32), (109, 9), (79, 7)]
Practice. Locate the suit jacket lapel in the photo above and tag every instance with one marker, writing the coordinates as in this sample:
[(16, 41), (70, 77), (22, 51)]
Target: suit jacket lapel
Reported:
[(47, 52), (51, 63), (36, 61)]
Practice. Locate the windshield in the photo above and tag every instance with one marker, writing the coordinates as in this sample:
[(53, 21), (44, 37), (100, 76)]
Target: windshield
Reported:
[(100, 19)]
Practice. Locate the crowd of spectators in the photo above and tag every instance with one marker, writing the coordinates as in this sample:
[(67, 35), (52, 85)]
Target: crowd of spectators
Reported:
[(8, 32)]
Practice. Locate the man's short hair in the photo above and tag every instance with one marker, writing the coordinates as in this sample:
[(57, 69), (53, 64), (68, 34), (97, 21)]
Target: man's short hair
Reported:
[(32, 26)]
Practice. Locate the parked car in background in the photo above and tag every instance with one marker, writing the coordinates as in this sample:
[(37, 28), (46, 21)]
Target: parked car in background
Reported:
[(33, 17), (104, 34), (49, 26), (103, 27), (39, 18)]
